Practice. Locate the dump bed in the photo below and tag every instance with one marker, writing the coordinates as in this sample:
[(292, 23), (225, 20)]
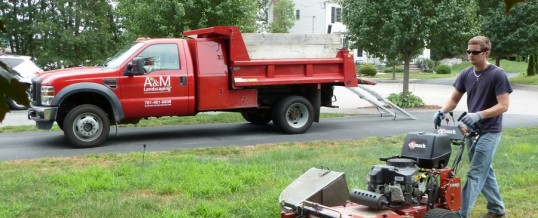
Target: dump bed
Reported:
[(245, 72)]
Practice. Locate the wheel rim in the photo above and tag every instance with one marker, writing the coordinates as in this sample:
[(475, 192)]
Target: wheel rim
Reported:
[(87, 127), (297, 115)]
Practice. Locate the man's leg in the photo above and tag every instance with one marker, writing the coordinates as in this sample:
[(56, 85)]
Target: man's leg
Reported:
[(491, 191), (481, 156)]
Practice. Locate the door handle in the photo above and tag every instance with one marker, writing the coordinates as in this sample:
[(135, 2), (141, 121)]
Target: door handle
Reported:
[(182, 80)]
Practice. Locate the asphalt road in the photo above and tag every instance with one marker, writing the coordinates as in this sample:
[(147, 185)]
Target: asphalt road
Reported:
[(30, 145)]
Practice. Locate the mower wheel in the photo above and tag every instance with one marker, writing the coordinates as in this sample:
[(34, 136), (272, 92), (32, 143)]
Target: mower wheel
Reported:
[(440, 213)]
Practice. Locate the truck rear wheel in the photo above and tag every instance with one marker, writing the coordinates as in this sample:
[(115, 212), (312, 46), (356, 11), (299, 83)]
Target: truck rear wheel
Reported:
[(258, 118), (86, 126), (293, 115)]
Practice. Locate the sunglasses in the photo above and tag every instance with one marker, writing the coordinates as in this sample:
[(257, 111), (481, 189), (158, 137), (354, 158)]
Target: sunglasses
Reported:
[(474, 52)]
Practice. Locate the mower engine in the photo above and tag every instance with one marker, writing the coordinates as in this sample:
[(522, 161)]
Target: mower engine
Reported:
[(400, 181), (390, 185)]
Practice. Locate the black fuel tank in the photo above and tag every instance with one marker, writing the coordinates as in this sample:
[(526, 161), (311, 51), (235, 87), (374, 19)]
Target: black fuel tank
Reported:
[(430, 150)]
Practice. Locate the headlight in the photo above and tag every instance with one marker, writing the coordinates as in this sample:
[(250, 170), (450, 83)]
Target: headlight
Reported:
[(47, 94)]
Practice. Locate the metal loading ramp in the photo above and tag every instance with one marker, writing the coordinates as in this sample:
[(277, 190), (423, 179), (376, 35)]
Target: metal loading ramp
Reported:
[(383, 105)]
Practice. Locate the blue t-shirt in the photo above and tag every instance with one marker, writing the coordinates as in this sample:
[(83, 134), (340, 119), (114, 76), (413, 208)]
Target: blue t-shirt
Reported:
[(482, 92)]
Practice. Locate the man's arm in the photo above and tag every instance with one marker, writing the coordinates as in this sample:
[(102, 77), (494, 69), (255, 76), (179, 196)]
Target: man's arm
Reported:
[(503, 101), (452, 101)]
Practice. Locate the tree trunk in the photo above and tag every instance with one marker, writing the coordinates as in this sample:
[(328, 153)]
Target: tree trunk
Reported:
[(531, 66), (407, 61), (498, 61), (30, 35), (15, 45), (393, 72)]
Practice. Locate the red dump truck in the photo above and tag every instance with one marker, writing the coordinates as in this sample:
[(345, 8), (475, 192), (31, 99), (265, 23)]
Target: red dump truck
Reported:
[(209, 71)]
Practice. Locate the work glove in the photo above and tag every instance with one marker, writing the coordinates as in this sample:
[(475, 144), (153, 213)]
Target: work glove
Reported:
[(438, 117), (471, 119)]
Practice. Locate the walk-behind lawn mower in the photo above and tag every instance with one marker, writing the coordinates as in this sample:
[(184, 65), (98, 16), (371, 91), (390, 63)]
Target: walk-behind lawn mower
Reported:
[(416, 183)]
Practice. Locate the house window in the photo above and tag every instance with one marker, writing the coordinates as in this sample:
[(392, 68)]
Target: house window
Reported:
[(297, 14), (336, 14)]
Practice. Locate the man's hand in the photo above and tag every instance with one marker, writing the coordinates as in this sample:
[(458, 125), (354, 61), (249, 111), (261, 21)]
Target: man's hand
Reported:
[(437, 118), (471, 119)]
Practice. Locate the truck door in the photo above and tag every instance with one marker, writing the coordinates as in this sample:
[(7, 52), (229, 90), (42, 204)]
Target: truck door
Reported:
[(162, 90)]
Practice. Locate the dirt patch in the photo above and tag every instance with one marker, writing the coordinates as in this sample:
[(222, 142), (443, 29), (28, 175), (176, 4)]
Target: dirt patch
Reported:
[(429, 107)]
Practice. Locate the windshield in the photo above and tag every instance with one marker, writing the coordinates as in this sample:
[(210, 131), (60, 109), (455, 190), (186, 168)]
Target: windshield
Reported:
[(119, 58)]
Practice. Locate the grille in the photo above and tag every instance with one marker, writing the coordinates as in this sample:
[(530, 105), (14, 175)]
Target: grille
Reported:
[(35, 91)]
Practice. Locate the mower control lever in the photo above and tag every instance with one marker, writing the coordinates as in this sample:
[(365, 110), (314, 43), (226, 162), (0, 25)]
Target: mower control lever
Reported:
[(462, 115)]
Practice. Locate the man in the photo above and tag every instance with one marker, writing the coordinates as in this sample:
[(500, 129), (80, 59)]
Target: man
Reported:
[(488, 92)]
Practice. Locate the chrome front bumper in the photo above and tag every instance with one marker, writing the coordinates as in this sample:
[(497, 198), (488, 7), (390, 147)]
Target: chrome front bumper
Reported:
[(44, 117)]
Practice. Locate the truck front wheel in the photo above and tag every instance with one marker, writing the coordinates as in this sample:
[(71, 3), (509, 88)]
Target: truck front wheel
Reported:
[(293, 115), (86, 126)]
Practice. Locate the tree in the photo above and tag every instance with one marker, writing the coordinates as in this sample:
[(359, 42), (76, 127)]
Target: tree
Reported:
[(512, 34), (263, 16), (455, 24), (381, 27), (283, 16), (169, 18), (19, 17), (74, 32), (510, 3), (531, 66)]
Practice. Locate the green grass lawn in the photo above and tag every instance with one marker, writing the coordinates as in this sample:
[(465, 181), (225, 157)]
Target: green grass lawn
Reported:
[(227, 181), (414, 75), (518, 67), (527, 80), (508, 66)]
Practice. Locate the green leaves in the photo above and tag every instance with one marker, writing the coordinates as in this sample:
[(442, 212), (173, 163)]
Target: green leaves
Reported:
[(402, 29), (513, 34), (405, 100), (169, 18), (509, 4), (284, 17)]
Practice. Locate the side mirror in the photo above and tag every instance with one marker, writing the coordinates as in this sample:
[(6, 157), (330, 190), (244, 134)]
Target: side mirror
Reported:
[(136, 67)]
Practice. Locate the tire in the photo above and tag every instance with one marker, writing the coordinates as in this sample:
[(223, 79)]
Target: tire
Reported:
[(258, 118), (13, 105), (293, 115), (60, 124), (440, 213), (86, 126)]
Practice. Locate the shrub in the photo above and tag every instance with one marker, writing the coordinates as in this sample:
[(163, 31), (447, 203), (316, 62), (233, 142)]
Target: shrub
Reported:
[(531, 67), (426, 65), (368, 70), (405, 101), (442, 69), (399, 69)]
